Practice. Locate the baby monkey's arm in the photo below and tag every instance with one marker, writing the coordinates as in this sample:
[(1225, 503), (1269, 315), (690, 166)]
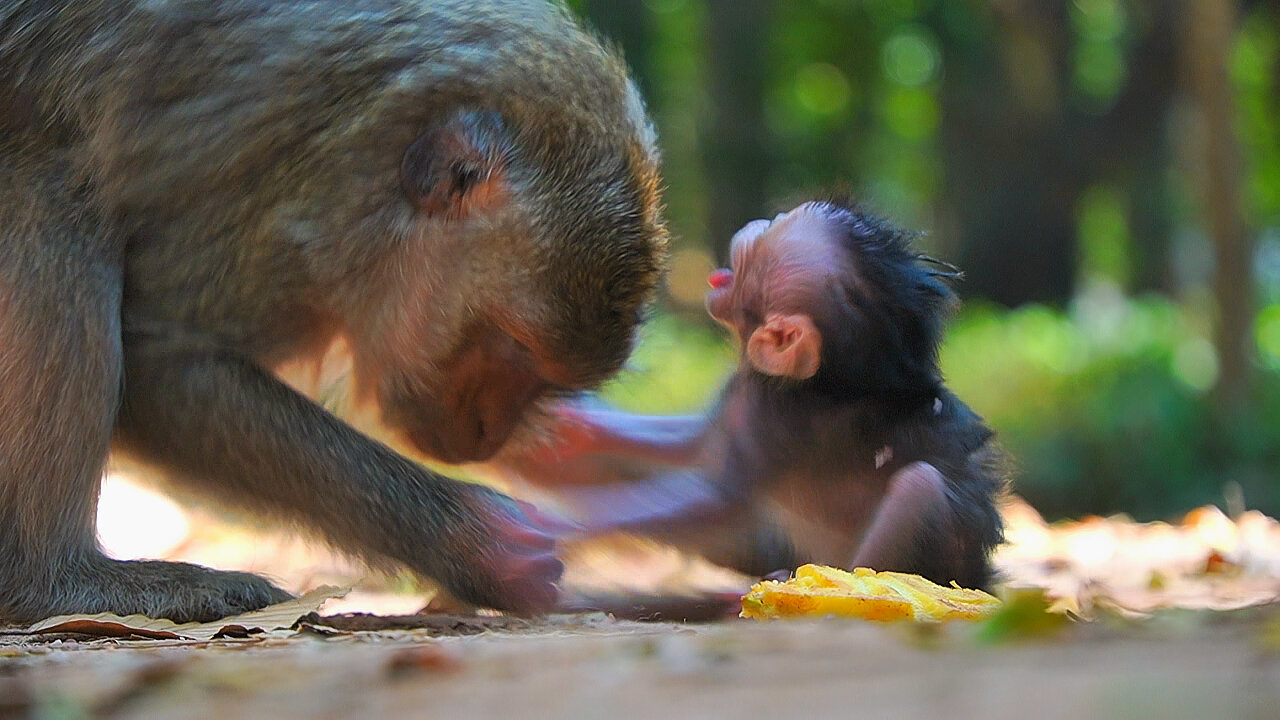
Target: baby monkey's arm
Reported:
[(587, 443)]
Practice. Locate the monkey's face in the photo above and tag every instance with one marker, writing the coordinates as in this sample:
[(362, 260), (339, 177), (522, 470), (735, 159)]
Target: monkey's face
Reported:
[(519, 290), (480, 394), (830, 294), (778, 280)]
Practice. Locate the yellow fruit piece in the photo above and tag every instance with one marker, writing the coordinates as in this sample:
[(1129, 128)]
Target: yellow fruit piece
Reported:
[(818, 590), (771, 599)]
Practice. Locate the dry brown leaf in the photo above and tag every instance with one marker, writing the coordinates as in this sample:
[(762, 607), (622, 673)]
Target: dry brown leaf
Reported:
[(1216, 564), (423, 659), (273, 617)]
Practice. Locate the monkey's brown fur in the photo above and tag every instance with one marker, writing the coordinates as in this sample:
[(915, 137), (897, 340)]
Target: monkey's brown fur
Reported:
[(193, 191)]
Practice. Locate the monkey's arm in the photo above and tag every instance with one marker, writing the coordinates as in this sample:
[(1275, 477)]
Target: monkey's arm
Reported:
[(227, 427), (662, 504), (590, 445), (664, 439), (712, 510)]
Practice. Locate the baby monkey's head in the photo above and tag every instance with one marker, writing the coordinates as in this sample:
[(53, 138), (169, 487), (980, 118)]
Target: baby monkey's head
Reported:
[(837, 299)]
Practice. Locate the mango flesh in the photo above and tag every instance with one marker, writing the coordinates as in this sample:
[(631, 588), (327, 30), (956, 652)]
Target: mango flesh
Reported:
[(818, 590)]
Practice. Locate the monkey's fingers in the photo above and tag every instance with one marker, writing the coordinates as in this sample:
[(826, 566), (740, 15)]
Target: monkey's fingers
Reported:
[(517, 569), (529, 583)]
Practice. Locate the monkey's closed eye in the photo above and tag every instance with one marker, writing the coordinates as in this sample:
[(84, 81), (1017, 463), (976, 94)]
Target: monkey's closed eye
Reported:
[(465, 177)]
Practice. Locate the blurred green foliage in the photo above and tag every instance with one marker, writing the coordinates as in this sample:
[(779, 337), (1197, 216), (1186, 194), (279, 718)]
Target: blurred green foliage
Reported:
[(1105, 407)]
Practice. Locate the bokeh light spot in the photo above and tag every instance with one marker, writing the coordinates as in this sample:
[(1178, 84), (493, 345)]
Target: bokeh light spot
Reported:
[(1195, 363), (911, 57), (822, 89), (1267, 334)]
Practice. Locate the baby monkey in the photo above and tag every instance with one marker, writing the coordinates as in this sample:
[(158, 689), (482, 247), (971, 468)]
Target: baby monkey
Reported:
[(834, 441)]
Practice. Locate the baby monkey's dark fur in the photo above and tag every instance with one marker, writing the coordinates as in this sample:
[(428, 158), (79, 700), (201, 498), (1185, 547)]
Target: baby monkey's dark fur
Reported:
[(877, 405), (870, 461)]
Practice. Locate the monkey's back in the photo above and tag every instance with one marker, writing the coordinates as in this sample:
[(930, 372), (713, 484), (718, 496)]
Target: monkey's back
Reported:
[(210, 133)]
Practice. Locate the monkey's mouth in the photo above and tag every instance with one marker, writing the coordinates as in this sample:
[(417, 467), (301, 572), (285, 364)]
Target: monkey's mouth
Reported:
[(718, 298), (720, 278)]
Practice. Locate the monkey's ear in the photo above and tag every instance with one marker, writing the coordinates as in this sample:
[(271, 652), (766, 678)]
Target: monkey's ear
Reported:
[(786, 346), (457, 167)]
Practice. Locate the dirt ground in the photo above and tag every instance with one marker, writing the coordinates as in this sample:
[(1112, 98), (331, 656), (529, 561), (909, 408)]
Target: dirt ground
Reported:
[(1173, 620), (589, 666)]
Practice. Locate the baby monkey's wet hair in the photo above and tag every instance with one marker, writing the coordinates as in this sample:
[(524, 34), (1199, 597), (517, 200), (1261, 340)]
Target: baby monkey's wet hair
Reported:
[(884, 322)]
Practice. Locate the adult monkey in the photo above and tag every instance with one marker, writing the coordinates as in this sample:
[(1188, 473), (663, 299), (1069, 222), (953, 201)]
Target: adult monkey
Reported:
[(192, 191)]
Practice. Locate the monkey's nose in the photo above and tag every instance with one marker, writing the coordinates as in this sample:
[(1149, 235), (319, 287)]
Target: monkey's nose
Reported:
[(720, 278)]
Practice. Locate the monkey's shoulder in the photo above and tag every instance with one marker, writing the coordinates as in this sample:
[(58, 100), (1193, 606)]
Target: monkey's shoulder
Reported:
[(784, 427), (945, 432), (953, 420)]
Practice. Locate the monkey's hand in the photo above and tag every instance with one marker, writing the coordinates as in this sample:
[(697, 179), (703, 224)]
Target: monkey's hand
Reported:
[(501, 555), (483, 547)]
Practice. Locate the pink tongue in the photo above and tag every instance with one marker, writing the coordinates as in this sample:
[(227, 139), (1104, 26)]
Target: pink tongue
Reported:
[(720, 278)]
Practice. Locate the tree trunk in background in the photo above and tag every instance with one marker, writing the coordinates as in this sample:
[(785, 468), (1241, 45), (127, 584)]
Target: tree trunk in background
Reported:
[(1132, 141), (735, 141), (1150, 226), (1210, 26), (629, 23), (1019, 150), (1010, 176), (1017, 231)]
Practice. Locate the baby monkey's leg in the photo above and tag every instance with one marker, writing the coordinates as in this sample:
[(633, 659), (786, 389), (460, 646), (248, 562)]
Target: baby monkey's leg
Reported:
[(913, 519)]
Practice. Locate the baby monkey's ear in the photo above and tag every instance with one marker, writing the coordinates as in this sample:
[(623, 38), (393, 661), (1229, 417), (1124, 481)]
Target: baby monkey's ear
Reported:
[(786, 346)]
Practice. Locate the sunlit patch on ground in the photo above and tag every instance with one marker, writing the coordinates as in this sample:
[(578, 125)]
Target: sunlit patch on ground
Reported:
[(138, 522), (1205, 560), (1176, 665)]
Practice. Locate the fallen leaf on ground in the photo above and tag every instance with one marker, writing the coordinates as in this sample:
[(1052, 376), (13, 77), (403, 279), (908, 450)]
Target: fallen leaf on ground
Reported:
[(422, 659), (1026, 613), (1216, 564), (273, 617)]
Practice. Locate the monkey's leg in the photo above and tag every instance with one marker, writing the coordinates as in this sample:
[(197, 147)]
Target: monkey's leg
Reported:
[(229, 428), (913, 520), (60, 380)]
